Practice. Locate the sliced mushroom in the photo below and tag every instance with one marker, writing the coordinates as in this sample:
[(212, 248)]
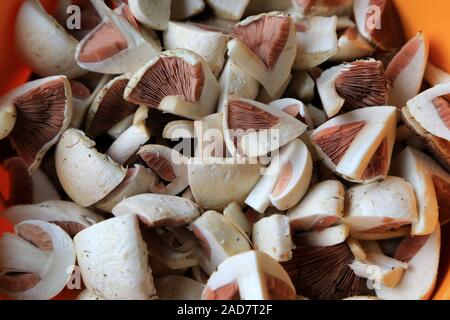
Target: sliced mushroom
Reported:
[(435, 75), (227, 180), (179, 129), (323, 7), (406, 70), (234, 214), (428, 116), (358, 145), (154, 14), (265, 97), (236, 82), (86, 175), (219, 238), (36, 263), (255, 129), (113, 260), (265, 55), (272, 236), (169, 165), (183, 9), (210, 45), (88, 295), (322, 207), (351, 46), (316, 41), (67, 215), (35, 115), (327, 237), (286, 180), (251, 275), (302, 86), (35, 33), (353, 85), (178, 288), (381, 206), (116, 45), (379, 22), (228, 10), (179, 82), (210, 137), (295, 108)]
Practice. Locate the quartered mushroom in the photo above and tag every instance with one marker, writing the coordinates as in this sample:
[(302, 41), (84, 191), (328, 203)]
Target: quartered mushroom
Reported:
[(139, 180), (86, 175), (316, 41), (67, 215), (117, 45), (216, 182), (155, 210), (179, 129), (272, 235), (36, 262), (35, 33), (154, 14), (231, 10), (210, 45), (381, 206), (255, 129), (178, 288), (265, 47), (431, 185), (265, 97), (169, 165), (323, 7), (434, 75), (326, 237), (210, 137), (249, 276), (219, 239), (379, 22), (113, 260), (358, 145), (406, 70), (351, 46), (322, 207), (183, 9), (286, 180), (428, 115), (35, 115), (109, 107), (234, 214), (353, 85), (302, 86), (295, 108), (178, 82), (88, 295)]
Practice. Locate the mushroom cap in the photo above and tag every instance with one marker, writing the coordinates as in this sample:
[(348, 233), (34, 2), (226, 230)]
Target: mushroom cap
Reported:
[(77, 162), (327, 237), (153, 14), (113, 260), (88, 295), (156, 210), (178, 288), (41, 249)]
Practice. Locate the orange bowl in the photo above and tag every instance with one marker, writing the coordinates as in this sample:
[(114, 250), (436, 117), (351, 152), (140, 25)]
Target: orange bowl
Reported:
[(416, 15)]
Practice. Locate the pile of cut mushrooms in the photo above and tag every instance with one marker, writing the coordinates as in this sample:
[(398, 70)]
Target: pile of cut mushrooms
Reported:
[(210, 149)]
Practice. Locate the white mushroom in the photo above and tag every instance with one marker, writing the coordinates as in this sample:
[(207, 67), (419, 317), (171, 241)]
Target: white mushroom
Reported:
[(327, 237), (178, 288), (154, 14), (88, 295), (265, 97), (232, 10), (113, 260), (434, 75), (121, 127), (351, 46), (234, 214), (37, 262), (86, 175), (179, 129), (210, 137), (319, 117), (295, 108), (302, 86), (183, 9)]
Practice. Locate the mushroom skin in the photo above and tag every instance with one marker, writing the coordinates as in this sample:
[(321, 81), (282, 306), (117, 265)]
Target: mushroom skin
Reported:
[(228, 10), (154, 14), (8, 116), (326, 237)]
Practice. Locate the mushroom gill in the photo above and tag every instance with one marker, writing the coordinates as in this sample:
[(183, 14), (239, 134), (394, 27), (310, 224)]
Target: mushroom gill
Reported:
[(409, 247), (378, 165), (158, 163), (442, 189), (442, 105)]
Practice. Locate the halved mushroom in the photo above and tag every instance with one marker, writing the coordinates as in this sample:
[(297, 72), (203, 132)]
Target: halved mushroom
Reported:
[(116, 45), (210, 45), (322, 207), (327, 237), (381, 206), (235, 81), (358, 145), (179, 129), (25, 188), (405, 72), (67, 215), (323, 7), (86, 175), (154, 14), (138, 180), (37, 262), (286, 180), (113, 260), (88, 295), (234, 214), (35, 115), (351, 46), (353, 85), (251, 275), (428, 115), (302, 86), (169, 165), (430, 183), (435, 75), (379, 22), (183, 9), (109, 107), (210, 137), (265, 47), (419, 281), (272, 236), (295, 108), (216, 182), (219, 238), (255, 129), (228, 10), (177, 81), (178, 288), (265, 97), (35, 32), (316, 41)]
